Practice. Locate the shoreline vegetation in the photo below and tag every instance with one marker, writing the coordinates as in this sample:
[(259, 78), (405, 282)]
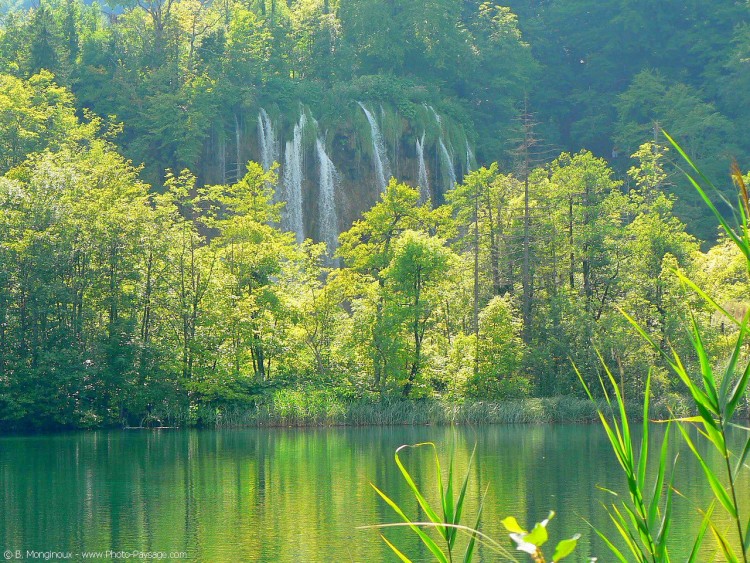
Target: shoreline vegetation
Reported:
[(302, 408), (167, 256)]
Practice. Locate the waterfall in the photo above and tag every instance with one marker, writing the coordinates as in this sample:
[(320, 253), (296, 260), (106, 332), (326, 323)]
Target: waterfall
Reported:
[(448, 161), (469, 157), (437, 118), (329, 179), (379, 155), (269, 148), (223, 156), (238, 145), (293, 177), (422, 180), (444, 153)]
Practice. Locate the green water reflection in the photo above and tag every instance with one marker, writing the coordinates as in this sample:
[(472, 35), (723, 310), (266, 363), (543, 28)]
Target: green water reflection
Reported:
[(298, 495)]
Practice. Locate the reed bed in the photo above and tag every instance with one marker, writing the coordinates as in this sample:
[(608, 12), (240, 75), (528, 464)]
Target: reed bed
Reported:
[(305, 407)]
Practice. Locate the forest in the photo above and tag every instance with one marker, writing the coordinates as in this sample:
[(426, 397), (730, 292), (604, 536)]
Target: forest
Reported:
[(468, 198)]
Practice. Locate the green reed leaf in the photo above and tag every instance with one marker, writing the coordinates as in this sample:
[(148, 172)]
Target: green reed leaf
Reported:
[(643, 455), (709, 382), (732, 365), (701, 534), (726, 548), (472, 540), (684, 279), (719, 491), (427, 540), (415, 490), (738, 392), (400, 555), (742, 458)]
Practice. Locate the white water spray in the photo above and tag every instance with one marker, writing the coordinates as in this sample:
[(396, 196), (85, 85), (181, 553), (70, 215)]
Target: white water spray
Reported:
[(422, 180), (469, 157), (292, 219), (329, 180), (269, 147), (444, 154), (379, 155)]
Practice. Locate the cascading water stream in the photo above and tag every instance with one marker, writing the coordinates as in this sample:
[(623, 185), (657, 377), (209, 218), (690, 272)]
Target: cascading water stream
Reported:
[(238, 149), (269, 147), (329, 180), (444, 153), (422, 180), (469, 157), (292, 219), (448, 161), (379, 155)]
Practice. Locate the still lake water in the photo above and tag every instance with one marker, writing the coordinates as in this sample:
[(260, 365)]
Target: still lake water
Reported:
[(299, 495)]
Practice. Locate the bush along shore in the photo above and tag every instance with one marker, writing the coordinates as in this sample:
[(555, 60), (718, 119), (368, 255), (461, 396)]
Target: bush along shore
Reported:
[(319, 408)]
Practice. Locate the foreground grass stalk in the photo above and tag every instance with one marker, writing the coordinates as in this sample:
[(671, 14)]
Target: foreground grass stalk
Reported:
[(643, 525), (448, 525)]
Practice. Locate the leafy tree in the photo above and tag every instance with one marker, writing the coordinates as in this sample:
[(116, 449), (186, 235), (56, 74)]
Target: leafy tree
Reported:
[(412, 279)]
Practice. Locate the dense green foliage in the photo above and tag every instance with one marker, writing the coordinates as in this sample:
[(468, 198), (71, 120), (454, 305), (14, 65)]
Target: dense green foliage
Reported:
[(185, 75), (122, 300)]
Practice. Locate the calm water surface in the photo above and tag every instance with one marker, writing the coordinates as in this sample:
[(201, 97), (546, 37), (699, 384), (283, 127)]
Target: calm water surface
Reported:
[(299, 495)]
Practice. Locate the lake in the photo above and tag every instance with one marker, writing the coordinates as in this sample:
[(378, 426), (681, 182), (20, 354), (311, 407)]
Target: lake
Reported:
[(300, 494)]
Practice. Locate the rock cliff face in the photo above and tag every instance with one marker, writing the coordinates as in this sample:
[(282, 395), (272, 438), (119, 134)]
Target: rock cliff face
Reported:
[(330, 171)]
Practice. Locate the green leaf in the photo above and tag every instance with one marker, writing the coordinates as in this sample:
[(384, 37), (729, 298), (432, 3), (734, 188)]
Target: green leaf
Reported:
[(427, 540), (470, 547), (726, 548), (730, 232), (447, 502), (462, 493), (565, 548), (538, 536), (742, 458), (729, 371), (719, 491), (705, 296), (707, 373), (511, 524), (400, 555), (653, 511), (738, 392), (701, 533), (643, 456), (412, 485)]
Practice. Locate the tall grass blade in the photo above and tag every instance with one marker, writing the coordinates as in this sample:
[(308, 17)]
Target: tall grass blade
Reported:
[(739, 391), (709, 382), (472, 541), (701, 534), (743, 457), (400, 555), (726, 548), (626, 535), (447, 502), (684, 279), (732, 365), (719, 491), (643, 457), (412, 485), (730, 232), (616, 552), (462, 493), (653, 511), (427, 540)]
